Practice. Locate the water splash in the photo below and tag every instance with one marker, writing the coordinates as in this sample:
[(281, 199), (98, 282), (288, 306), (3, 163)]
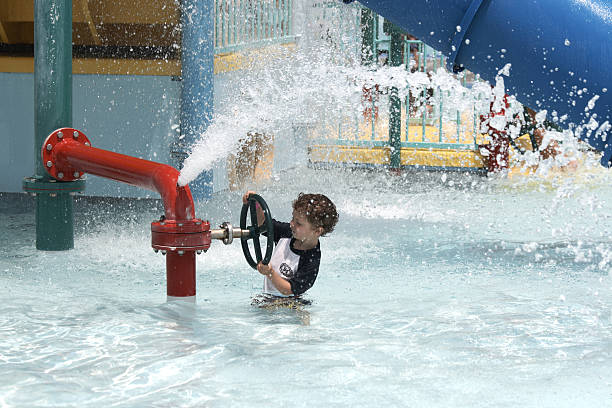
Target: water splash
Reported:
[(302, 90), (321, 83)]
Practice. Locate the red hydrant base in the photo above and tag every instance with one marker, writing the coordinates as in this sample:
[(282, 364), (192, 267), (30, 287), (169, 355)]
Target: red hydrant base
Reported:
[(180, 274)]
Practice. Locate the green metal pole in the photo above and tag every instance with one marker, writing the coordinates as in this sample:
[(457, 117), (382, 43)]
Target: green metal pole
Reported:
[(367, 37), (53, 110), (458, 125), (395, 103), (52, 70), (424, 93), (368, 55), (441, 115)]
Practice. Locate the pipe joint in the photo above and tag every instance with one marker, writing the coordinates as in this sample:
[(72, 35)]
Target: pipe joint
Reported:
[(180, 236), (56, 167)]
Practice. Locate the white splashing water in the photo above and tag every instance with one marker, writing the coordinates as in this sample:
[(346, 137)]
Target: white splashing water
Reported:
[(319, 82), (311, 84), (294, 89), (297, 90)]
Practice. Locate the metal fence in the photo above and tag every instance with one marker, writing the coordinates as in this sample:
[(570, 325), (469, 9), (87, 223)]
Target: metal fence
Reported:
[(430, 118), (244, 24), (439, 126)]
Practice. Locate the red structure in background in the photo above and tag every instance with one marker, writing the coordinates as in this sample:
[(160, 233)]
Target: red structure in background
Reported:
[(499, 148), (369, 99), (67, 154)]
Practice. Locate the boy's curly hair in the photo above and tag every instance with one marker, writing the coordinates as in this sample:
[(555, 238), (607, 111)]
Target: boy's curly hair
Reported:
[(318, 209)]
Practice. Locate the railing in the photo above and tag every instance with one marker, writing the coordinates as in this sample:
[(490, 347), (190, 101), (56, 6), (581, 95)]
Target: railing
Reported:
[(243, 24), (427, 108), (429, 118)]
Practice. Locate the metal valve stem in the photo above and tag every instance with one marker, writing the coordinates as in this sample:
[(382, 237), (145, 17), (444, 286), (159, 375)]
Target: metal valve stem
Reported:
[(227, 233)]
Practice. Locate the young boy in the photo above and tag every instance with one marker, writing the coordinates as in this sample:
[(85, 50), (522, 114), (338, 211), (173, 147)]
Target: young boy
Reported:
[(294, 265)]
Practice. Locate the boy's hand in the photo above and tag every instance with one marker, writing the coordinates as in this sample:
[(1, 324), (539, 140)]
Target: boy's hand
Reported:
[(277, 279), (265, 269), (245, 197), (260, 214)]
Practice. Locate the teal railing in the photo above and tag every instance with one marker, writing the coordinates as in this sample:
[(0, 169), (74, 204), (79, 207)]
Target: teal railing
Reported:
[(431, 102), (246, 24), (423, 109)]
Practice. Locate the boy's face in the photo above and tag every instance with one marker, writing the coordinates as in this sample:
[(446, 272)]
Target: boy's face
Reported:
[(302, 229)]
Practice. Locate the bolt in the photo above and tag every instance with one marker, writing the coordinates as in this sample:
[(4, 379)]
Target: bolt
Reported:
[(49, 163), (156, 250), (76, 174), (181, 252), (87, 144), (76, 134), (163, 252), (198, 252), (60, 135), (60, 175), (49, 147)]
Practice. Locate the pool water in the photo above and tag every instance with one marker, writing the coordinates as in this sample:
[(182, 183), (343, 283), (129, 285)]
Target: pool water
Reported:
[(435, 290)]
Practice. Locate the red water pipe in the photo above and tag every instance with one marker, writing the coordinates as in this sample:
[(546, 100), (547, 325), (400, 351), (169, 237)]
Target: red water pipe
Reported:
[(67, 154)]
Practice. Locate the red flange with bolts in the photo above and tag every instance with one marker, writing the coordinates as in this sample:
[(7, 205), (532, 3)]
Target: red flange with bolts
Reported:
[(67, 154), (180, 240), (180, 236), (55, 167)]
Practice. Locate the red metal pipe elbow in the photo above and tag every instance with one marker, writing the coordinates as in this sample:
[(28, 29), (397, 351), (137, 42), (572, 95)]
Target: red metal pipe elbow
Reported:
[(67, 154)]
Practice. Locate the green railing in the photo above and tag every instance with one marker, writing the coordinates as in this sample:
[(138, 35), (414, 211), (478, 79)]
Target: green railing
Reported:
[(431, 102), (423, 109), (426, 111), (245, 24)]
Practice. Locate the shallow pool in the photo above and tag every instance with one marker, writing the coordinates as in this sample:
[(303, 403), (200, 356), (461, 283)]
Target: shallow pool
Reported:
[(435, 290)]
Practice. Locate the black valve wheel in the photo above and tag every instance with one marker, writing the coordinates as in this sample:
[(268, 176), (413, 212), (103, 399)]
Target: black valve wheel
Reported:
[(255, 230)]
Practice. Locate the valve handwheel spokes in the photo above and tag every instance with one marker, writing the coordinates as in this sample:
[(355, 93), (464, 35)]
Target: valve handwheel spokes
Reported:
[(255, 230)]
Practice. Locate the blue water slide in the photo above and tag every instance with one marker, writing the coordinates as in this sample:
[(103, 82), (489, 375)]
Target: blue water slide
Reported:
[(560, 51)]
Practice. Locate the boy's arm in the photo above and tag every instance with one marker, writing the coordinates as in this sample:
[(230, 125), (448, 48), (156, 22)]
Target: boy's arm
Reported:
[(279, 282)]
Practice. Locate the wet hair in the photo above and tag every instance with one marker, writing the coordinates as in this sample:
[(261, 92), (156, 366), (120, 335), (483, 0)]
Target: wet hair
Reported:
[(319, 211)]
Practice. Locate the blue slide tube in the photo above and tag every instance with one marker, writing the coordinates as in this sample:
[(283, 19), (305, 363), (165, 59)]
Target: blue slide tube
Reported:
[(560, 51)]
